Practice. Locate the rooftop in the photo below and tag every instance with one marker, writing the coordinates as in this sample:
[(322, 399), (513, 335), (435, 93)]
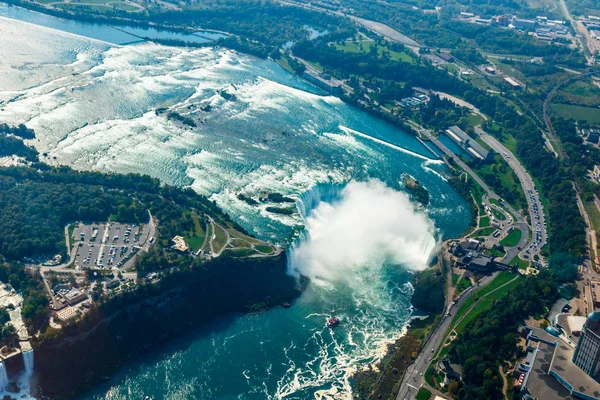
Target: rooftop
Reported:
[(461, 136), (563, 367)]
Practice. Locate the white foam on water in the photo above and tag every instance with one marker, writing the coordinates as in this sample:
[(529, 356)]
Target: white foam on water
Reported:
[(388, 144)]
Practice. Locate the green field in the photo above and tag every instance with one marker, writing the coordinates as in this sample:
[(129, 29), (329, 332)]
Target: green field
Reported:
[(512, 239), (364, 46), (475, 119), (264, 248), (195, 238), (460, 285), (484, 222), (521, 264), (220, 239), (423, 394), (498, 215), (486, 231), (485, 304), (500, 280), (594, 214), (579, 113)]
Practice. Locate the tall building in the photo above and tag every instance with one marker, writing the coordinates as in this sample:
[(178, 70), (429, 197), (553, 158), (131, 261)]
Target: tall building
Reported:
[(587, 353)]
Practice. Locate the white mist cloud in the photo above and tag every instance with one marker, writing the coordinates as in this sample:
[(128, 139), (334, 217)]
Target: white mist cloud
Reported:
[(369, 225)]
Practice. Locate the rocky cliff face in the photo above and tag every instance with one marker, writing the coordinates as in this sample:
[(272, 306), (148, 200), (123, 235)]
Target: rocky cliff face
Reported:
[(86, 354)]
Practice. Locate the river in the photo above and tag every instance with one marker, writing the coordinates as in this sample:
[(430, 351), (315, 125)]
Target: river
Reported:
[(95, 104)]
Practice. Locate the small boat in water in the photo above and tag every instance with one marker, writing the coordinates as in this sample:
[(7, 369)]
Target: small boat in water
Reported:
[(332, 322)]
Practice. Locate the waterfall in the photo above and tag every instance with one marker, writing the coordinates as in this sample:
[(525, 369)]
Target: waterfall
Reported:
[(359, 226), (327, 192), (3, 376), (28, 360)]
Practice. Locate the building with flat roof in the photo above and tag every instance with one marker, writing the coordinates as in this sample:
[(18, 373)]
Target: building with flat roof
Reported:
[(550, 372), (523, 24), (512, 82), (467, 143), (74, 296), (587, 353)]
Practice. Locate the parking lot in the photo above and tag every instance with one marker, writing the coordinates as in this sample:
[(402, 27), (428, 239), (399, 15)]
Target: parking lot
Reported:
[(110, 245)]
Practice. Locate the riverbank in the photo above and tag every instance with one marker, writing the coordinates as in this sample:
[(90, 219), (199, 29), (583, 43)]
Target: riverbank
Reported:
[(383, 380), (86, 353)]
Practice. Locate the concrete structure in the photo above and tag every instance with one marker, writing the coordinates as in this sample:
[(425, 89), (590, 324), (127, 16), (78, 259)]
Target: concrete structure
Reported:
[(575, 324), (113, 283), (587, 353), (523, 24), (451, 372), (74, 296), (467, 143), (512, 82), (548, 372), (180, 244)]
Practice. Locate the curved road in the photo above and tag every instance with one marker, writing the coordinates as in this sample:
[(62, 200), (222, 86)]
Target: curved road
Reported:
[(413, 378), (533, 199)]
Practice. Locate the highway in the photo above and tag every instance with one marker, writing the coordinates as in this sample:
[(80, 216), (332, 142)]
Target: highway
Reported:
[(413, 378), (535, 208)]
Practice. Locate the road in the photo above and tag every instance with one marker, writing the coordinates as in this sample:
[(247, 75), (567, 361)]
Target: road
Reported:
[(534, 204), (413, 379), (579, 29)]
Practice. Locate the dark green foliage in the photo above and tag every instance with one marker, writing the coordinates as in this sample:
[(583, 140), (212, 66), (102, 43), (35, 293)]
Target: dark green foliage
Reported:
[(282, 211), (33, 213), (429, 291), (20, 130), (564, 267), (29, 284), (10, 145), (492, 337), (279, 198)]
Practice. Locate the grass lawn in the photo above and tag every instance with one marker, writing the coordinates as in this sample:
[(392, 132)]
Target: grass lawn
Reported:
[(500, 280), (283, 61), (485, 304), (512, 239), (355, 47), (522, 264), (264, 248), (195, 238), (463, 285), (594, 214), (475, 119), (70, 233), (499, 216), (423, 394), (484, 222), (579, 113), (220, 239), (486, 231)]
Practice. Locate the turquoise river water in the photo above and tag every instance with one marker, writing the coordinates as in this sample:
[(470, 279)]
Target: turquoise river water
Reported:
[(92, 99)]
